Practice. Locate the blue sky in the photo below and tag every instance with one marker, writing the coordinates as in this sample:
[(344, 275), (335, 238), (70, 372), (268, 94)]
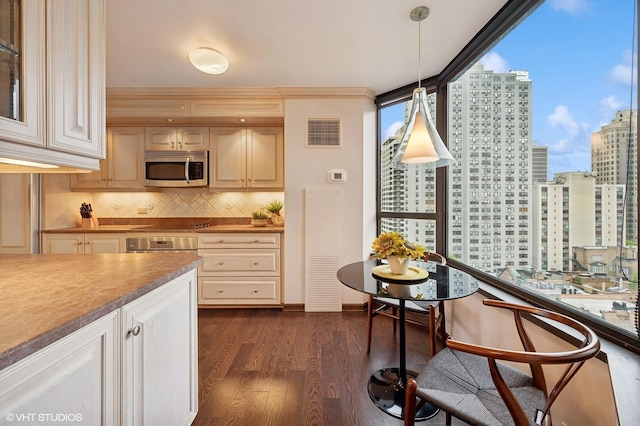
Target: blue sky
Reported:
[(579, 57)]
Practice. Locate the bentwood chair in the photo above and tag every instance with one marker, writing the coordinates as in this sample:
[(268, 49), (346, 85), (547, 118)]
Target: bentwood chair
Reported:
[(467, 381), (422, 313)]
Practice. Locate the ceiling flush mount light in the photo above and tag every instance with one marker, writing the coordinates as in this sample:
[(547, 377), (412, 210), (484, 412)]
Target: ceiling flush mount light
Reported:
[(209, 60), (420, 141)]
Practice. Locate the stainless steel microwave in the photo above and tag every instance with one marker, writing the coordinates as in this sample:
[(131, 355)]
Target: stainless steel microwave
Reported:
[(176, 169)]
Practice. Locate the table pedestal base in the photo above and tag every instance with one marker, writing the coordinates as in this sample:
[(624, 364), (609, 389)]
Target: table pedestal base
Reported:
[(387, 391)]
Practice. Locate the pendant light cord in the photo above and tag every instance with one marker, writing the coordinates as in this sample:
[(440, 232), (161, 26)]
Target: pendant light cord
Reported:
[(419, 54)]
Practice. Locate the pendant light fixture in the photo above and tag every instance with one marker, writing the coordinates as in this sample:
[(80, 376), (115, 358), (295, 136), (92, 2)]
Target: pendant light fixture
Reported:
[(420, 142)]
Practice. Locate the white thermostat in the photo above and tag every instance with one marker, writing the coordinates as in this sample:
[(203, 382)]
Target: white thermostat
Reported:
[(337, 176)]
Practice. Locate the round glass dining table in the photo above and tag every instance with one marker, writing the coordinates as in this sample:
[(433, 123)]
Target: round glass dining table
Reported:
[(387, 386)]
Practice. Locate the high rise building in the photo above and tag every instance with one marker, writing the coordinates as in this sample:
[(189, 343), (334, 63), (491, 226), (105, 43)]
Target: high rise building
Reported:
[(614, 155), (539, 163), (573, 211), (490, 137)]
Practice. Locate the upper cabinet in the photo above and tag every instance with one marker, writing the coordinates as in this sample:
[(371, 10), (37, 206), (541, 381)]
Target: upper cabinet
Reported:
[(176, 138), (52, 81), (122, 169), (251, 158)]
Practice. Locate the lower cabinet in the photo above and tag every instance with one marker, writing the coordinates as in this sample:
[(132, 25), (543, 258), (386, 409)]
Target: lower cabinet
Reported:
[(72, 381), (72, 243), (160, 356), (240, 269), (137, 365)]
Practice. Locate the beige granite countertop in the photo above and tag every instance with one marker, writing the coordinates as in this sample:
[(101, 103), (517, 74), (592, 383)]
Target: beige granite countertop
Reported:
[(44, 297), (165, 226)]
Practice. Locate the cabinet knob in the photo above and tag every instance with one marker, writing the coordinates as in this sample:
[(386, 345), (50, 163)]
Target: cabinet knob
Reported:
[(256, 241), (87, 243), (220, 263), (255, 263), (135, 330), (79, 243), (255, 291), (220, 291)]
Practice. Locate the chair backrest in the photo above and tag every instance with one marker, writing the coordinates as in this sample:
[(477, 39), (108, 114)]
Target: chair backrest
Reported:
[(588, 347), (434, 257)]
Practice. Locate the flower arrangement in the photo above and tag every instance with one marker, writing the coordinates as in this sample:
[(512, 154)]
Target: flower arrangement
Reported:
[(393, 244)]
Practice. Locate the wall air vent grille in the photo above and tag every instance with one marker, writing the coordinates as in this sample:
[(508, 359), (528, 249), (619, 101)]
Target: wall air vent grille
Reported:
[(323, 132)]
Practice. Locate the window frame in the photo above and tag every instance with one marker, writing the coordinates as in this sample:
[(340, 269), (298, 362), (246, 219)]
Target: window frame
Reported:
[(509, 16)]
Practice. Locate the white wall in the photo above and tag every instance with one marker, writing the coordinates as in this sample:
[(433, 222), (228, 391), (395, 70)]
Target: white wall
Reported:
[(306, 167)]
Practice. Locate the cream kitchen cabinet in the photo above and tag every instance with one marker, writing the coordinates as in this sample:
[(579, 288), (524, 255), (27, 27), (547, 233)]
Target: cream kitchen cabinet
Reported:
[(240, 269), (15, 216), (73, 243), (60, 118), (251, 158), (137, 365), (160, 355), (74, 378), (176, 138), (122, 169)]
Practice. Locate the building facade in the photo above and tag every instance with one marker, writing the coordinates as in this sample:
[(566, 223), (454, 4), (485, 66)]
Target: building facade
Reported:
[(489, 187), (614, 157), (573, 211)]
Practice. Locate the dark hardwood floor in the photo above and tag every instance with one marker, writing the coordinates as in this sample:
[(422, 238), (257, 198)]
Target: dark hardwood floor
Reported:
[(267, 367)]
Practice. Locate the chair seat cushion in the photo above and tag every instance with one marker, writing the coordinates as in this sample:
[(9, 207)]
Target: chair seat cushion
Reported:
[(461, 384)]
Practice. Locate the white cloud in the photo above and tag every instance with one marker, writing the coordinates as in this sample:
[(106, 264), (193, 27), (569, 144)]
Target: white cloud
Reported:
[(608, 107), (494, 62), (622, 74), (392, 129), (563, 118), (572, 7)]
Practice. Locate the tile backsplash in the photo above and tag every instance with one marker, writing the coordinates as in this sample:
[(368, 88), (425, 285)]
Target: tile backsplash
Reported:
[(196, 202), (61, 205)]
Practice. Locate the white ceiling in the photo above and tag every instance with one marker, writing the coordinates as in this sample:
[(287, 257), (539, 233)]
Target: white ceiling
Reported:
[(276, 43)]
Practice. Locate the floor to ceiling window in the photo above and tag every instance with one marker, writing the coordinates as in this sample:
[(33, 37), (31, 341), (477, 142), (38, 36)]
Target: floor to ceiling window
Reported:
[(543, 195)]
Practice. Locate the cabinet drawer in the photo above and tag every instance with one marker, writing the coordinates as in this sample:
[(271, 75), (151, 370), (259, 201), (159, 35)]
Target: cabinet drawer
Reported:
[(239, 240), (236, 290), (240, 262)]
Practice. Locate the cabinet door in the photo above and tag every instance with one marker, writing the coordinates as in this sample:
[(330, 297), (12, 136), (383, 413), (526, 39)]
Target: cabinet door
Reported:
[(265, 158), (74, 377), (63, 243), (160, 138), (15, 215), (193, 138), (122, 168), (160, 382), (76, 76), (94, 180), (228, 158), (104, 243), (125, 157), (23, 120)]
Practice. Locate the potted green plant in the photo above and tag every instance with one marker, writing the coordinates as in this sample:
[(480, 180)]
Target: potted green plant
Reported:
[(274, 207), (259, 218), (398, 251)]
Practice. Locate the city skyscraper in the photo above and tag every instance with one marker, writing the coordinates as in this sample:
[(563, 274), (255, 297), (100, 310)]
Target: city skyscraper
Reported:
[(490, 184), (614, 155)]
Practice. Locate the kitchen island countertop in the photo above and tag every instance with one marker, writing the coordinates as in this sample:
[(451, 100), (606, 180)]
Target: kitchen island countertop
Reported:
[(46, 297)]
